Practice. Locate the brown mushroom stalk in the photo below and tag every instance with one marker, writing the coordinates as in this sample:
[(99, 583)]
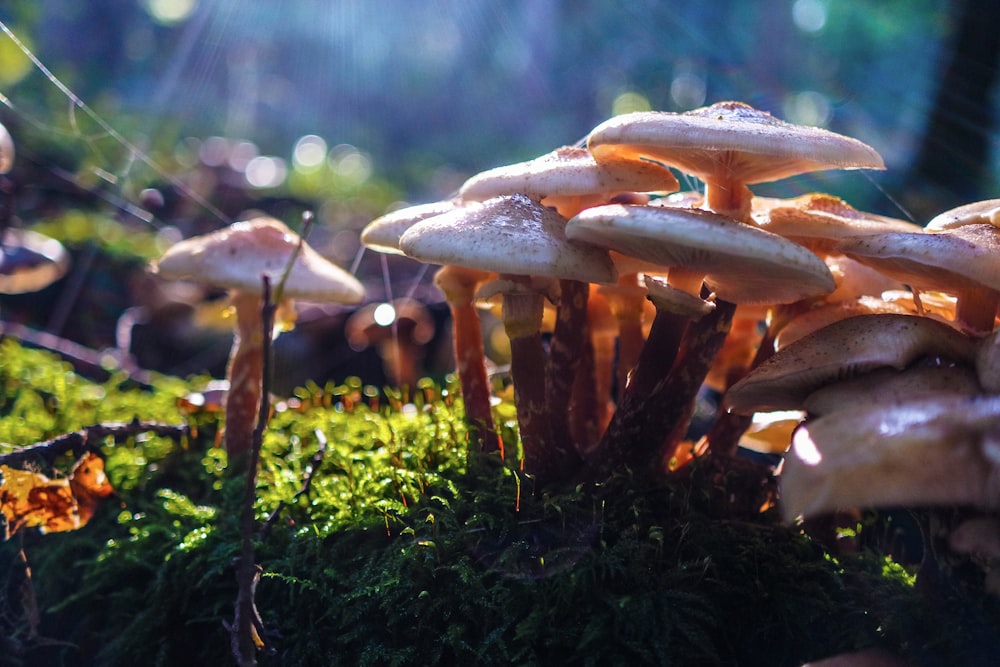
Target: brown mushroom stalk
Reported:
[(459, 286)]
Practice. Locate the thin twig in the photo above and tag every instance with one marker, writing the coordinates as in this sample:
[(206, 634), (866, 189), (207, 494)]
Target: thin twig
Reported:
[(247, 630), (86, 438), (311, 468)]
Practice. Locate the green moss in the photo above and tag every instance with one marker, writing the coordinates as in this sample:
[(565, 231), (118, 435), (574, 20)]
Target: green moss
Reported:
[(399, 556)]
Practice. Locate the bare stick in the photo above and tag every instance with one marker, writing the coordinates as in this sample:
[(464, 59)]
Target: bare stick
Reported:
[(247, 630), (83, 440)]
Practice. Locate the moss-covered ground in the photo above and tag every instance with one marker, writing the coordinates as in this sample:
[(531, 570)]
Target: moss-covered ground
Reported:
[(398, 555)]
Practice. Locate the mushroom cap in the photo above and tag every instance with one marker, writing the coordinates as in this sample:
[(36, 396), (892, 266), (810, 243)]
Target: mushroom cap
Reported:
[(888, 385), (30, 261), (508, 235), (822, 217), (979, 212), (382, 234), (742, 264), (568, 172), (926, 451), (732, 138), (958, 259), (236, 257), (844, 349)]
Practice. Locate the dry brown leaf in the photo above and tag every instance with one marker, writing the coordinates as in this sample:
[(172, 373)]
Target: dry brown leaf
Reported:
[(30, 499)]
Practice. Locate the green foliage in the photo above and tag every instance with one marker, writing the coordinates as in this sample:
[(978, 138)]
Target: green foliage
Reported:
[(397, 555)]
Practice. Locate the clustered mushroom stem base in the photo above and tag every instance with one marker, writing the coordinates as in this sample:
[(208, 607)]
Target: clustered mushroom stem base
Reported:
[(245, 373), (621, 443), (522, 317)]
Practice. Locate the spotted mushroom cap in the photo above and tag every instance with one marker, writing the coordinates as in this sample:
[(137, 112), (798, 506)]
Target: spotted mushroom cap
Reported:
[(843, 349), (979, 212), (741, 263), (748, 145), (568, 172), (512, 235), (382, 234), (822, 216), (237, 256)]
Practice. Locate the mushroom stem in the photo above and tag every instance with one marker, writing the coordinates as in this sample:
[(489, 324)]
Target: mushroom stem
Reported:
[(459, 287), (624, 441), (245, 373), (976, 310), (566, 358), (728, 197), (522, 318)]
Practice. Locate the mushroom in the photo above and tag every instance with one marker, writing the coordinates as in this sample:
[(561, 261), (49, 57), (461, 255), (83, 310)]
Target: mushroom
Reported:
[(960, 261), (236, 257), (459, 285), (979, 212), (846, 348), (518, 238), (728, 145), (923, 451)]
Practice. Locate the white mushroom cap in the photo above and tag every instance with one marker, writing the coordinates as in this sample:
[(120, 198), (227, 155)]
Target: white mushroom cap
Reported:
[(382, 234), (749, 145), (927, 451), (509, 235), (30, 261), (741, 263), (568, 172), (846, 348), (979, 212), (236, 257)]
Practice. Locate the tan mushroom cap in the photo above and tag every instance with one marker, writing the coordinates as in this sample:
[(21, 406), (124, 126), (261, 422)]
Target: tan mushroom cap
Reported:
[(382, 234), (927, 451), (30, 261), (888, 385), (979, 212), (568, 172), (741, 264), (731, 139), (821, 217), (960, 261), (236, 257), (508, 235), (844, 349)]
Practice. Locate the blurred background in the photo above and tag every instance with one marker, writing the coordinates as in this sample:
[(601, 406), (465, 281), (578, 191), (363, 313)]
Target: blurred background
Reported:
[(174, 117)]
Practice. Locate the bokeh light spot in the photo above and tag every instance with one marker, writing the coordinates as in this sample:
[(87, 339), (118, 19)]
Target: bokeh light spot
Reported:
[(809, 15), (14, 65), (170, 12), (807, 108), (384, 314), (266, 172), (309, 153), (628, 102)]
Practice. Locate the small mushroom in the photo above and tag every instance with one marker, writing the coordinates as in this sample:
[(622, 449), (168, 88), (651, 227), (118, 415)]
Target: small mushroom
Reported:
[(399, 331), (236, 257)]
